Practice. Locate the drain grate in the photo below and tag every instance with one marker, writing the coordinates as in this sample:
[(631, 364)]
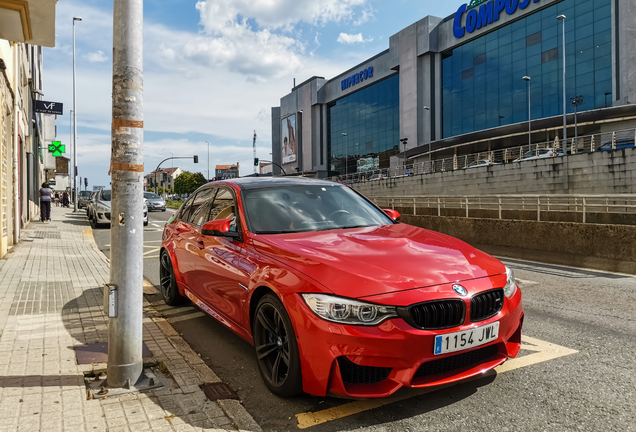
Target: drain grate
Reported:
[(46, 235), (216, 391)]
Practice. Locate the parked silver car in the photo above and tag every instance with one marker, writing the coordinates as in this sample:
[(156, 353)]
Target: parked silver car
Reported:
[(100, 214), (155, 202)]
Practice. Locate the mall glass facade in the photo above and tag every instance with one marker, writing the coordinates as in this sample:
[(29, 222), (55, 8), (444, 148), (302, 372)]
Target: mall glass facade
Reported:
[(482, 80), (371, 119)]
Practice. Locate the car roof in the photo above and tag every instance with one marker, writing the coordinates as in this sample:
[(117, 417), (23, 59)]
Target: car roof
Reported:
[(267, 182)]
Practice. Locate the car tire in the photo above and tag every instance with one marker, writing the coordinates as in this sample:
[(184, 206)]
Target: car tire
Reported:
[(275, 340), (163, 210), (168, 281), (146, 223)]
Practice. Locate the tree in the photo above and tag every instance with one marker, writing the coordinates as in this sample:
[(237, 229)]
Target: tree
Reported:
[(150, 190), (186, 182), (160, 190), (182, 183)]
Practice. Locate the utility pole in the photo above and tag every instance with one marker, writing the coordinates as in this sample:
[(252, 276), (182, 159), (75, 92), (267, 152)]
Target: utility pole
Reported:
[(74, 189), (125, 363), (254, 148)]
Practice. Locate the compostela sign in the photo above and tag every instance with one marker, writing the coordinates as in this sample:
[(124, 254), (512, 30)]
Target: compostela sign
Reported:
[(480, 13)]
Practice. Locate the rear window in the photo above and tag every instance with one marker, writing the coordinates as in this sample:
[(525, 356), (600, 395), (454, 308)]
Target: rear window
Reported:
[(105, 195)]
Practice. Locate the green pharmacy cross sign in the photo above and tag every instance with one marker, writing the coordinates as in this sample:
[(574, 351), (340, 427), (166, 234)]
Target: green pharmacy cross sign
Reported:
[(57, 148)]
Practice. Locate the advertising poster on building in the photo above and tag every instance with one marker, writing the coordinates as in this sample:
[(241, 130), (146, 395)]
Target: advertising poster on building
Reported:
[(288, 139)]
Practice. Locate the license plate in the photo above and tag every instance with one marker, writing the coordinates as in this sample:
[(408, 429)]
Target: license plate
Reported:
[(466, 339)]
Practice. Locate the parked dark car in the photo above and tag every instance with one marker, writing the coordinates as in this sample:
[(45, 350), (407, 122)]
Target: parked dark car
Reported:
[(82, 199), (620, 144)]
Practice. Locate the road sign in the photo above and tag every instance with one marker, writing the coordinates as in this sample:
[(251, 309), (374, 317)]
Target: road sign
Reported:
[(57, 148), (45, 107)]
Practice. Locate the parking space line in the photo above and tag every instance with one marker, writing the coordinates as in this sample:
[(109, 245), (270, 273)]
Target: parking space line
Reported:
[(151, 251), (541, 351)]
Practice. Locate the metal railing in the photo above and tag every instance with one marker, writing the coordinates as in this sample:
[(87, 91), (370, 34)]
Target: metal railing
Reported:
[(585, 144), (584, 204)]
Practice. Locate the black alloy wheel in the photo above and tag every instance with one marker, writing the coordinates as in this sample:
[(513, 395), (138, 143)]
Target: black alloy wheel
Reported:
[(169, 290), (276, 348)]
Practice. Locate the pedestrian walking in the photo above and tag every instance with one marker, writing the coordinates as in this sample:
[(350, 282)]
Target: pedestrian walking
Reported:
[(65, 200), (45, 202), (57, 199)]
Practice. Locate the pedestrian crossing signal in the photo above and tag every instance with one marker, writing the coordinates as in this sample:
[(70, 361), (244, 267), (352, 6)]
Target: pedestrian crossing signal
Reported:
[(255, 161)]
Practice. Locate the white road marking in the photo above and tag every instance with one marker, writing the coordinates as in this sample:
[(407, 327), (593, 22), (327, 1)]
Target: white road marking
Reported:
[(526, 282)]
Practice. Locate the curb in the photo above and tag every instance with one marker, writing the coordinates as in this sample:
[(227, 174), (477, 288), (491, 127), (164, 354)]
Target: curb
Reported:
[(233, 409)]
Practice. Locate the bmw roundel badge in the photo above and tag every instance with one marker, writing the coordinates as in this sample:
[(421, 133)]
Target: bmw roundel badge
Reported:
[(460, 290)]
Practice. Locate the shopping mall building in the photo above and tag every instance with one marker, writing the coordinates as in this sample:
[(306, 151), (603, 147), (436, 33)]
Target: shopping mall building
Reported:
[(455, 86)]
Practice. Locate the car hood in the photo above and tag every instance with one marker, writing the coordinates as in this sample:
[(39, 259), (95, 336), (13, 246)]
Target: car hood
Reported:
[(155, 200), (361, 262)]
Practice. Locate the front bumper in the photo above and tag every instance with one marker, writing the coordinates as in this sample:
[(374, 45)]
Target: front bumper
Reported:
[(359, 361)]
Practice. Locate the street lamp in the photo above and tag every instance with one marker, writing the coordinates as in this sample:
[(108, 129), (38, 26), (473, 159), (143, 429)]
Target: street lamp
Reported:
[(208, 159), (346, 155), (527, 78), (576, 101), (403, 141), (430, 138), (565, 128), (74, 124)]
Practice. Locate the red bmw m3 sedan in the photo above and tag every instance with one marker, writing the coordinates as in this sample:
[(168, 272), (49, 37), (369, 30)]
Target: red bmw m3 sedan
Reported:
[(336, 295)]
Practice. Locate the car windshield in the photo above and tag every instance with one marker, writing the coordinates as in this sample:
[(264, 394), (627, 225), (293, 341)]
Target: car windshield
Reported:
[(105, 195), (150, 195), (299, 208), (544, 151), (530, 153), (85, 194)]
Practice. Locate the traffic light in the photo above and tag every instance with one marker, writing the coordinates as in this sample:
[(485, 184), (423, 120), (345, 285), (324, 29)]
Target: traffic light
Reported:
[(85, 182), (196, 159), (255, 161), (165, 177)]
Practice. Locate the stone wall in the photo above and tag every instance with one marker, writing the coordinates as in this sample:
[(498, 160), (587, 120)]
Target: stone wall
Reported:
[(604, 247), (609, 172)]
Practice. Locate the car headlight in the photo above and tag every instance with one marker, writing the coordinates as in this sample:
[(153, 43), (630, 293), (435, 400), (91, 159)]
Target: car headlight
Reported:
[(346, 311), (102, 208), (511, 285)]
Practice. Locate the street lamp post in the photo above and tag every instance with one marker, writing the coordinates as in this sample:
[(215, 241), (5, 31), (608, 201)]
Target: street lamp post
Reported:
[(404, 141), (430, 138), (576, 101), (527, 78), (208, 159), (74, 124), (565, 127), (346, 156)]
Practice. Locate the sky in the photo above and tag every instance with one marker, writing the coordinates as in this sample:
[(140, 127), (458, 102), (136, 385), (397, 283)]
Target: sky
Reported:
[(212, 70)]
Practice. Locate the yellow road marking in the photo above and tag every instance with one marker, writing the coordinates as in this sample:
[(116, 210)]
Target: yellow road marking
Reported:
[(542, 351), (88, 233), (152, 256), (151, 251)]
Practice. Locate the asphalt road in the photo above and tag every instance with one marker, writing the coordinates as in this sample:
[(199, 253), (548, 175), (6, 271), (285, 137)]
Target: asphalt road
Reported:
[(576, 371)]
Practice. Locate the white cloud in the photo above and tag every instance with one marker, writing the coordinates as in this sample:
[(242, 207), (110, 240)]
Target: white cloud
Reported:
[(96, 57), (367, 15), (352, 38), (219, 14)]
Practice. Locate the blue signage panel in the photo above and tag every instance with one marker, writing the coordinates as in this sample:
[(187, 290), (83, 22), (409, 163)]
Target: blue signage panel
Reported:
[(487, 13), (356, 78)]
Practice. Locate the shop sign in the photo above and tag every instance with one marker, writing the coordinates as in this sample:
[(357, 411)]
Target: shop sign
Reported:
[(46, 107), (481, 13), (356, 78)]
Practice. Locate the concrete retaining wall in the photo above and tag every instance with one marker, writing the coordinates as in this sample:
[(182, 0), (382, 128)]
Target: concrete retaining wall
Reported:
[(603, 247), (609, 172)]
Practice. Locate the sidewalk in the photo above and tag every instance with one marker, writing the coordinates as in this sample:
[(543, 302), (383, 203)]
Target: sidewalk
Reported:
[(50, 302)]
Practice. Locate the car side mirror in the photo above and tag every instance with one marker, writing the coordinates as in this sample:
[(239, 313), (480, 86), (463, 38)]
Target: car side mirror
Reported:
[(393, 214), (219, 228)]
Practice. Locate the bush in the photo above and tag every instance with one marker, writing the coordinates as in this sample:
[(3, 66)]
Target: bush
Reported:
[(174, 204)]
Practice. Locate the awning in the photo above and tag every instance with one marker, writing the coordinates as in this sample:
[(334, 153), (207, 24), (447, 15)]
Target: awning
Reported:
[(28, 21)]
